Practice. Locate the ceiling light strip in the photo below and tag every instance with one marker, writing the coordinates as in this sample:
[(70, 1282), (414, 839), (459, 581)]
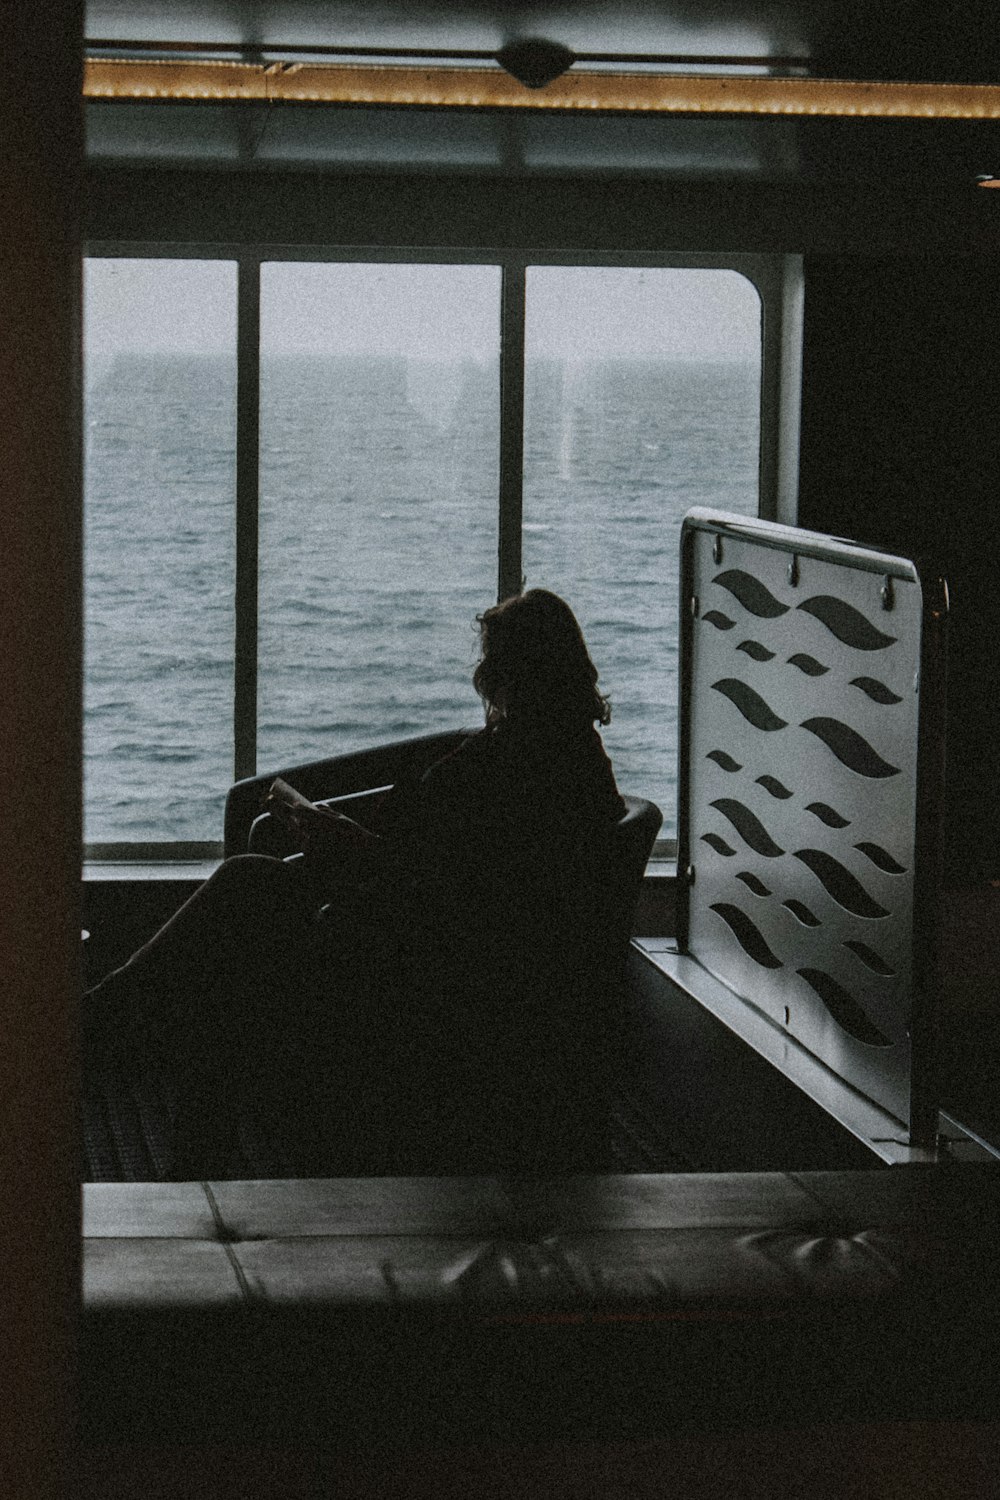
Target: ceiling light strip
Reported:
[(491, 88), (440, 56)]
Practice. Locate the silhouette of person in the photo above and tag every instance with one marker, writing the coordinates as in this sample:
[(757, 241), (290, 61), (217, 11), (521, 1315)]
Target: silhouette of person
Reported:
[(293, 981)]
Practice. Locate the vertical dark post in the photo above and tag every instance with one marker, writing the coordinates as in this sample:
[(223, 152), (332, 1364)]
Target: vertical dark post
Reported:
[(782, 303), (685, 867), (511, 429), (247, 526), (41, 173), (928, 889)]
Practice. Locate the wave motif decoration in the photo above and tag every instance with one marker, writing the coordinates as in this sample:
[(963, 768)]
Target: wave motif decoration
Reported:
[(718, 619), (725, 761), (716, 842), (870, 958), (850, 748), (756, 650), (848, 624), (751, 593), (828, 815), (750, 704), (749, 937), (749, 827), (753, 884), (774, 786), (845, 1010), (801, 913), (877, 691), (839, 883), (882, 858), (807, 664)]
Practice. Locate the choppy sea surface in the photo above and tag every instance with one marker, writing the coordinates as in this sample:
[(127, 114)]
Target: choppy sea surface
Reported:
[(378, 547)]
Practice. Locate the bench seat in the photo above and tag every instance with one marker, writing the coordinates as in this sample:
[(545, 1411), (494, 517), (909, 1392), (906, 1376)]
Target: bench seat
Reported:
[(344, 1312)]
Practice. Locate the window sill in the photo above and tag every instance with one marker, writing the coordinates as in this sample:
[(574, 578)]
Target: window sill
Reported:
[(201, 869), (128, 870)]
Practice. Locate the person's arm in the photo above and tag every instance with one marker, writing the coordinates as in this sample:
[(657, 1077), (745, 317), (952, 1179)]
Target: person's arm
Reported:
[(322, 832), (324, 829), (420, 840)]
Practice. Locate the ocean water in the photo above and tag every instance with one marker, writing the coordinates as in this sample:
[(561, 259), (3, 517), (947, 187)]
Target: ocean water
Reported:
[(378, 546)]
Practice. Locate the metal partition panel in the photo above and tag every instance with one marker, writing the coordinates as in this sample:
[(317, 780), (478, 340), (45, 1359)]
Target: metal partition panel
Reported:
[(801, 764)]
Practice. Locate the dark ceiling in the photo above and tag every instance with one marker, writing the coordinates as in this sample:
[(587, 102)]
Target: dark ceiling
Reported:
[(904, 39), (760, 28), (880, 39)]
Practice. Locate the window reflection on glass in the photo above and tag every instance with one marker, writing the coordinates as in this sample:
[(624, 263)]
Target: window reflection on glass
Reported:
[(160, 425), (642, 399), (379, 442)]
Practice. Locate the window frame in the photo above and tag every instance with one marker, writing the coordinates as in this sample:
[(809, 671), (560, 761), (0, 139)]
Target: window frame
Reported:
[(777, 279)]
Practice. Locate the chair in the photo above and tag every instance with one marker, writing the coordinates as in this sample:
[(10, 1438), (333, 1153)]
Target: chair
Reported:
[(495, 1080)]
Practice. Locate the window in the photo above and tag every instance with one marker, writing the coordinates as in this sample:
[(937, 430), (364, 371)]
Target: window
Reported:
[(160, 425), (379, 434), (305, 475), (642, 399)]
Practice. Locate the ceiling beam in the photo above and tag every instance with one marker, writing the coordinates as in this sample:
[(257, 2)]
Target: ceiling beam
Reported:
[(492, 88)]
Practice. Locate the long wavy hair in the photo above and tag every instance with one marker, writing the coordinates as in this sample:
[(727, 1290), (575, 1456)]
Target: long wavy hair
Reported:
[(534, 663)]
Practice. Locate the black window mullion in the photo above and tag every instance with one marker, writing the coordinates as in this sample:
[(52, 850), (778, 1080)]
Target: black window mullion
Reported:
[(247, 498), (511, 429)]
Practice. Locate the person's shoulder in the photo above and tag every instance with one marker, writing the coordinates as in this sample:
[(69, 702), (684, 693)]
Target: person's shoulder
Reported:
[(584, 743), (472, 752), (609, 801)]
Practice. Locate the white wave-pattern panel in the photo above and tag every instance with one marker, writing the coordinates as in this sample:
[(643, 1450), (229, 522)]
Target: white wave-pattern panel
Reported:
[(802, 696)]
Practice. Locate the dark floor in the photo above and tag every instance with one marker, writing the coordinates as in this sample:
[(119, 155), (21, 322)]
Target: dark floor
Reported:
[(688, 1096), (970, 1078)]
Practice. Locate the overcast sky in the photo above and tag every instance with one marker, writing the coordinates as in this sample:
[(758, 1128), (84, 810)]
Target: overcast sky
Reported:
[(427, 312)]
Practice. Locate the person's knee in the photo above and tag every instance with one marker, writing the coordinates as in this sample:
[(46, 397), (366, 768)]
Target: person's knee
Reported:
[(251, 881), (247, 870)]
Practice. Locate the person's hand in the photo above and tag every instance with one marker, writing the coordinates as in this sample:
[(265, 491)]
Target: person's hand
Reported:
[(319, 830), (299, 817), (286, 813)]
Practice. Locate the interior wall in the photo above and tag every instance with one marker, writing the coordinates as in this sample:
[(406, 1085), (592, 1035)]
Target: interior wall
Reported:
[(597, 212), (900, 448), (40, 178)]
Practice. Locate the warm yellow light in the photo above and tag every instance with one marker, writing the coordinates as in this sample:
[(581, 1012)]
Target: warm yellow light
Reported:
[(491, 88)]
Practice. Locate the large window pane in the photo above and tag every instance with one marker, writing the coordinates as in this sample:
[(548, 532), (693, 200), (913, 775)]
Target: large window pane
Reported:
[(642, 399), (378, 509), (160, 417)]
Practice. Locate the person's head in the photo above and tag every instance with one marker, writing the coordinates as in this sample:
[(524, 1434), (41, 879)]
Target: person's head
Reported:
[(534, 663)]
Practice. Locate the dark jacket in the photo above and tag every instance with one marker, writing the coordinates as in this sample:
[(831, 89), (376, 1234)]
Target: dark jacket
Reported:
[(465, 944)]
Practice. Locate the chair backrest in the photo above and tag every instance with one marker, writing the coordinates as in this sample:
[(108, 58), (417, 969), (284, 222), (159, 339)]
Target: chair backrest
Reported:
[(611, 871), (631, 846)]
